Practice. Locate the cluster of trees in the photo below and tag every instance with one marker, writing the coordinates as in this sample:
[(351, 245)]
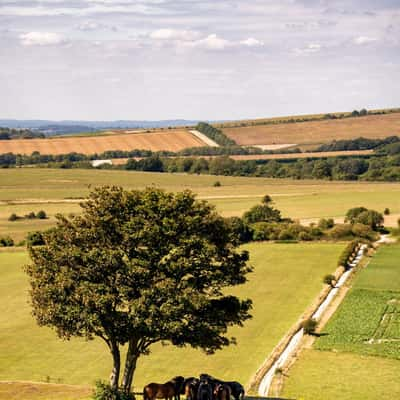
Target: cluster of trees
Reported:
[(39, 215), (11, 133), (385, 168), (264, 222), (215, 134), (358, 144)]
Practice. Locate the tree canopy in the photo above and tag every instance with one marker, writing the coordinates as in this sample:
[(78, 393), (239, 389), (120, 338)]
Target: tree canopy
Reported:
[(139, 267)]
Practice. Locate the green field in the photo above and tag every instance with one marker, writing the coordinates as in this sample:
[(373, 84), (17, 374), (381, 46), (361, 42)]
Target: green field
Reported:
[(361, 339), (322, 375), (286, 279), (58, 191), (368, 321)]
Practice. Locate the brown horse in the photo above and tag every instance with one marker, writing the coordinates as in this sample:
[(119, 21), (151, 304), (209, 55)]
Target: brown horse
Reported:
[(168, 390), (190, 387), (222, 392)]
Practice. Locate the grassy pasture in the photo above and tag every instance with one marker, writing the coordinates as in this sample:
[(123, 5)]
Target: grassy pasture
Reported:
[(331, 376), (173, 140), (315, 132), (58, 191), (286, 279), (359, 357)]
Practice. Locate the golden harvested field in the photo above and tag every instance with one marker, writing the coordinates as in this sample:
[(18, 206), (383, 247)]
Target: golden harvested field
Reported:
[(172, 140), (314, 132)]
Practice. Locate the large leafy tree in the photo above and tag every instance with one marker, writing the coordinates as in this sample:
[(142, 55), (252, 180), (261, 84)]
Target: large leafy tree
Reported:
[(136, 268)]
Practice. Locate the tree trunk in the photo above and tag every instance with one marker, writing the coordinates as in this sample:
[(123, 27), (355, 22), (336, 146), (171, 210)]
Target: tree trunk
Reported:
[(114, 377), (130, 365)]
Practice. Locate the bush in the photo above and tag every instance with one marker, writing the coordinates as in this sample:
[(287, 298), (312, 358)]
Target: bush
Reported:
[(34, 239), (364, 231), (326, 223), (6, 241), (286, 235), (310, 326), (31, 215), (13, 217), (217, 184), (41, 215), (103, 391), (341, 231), (386, 211), (329, 280), (305, 236)]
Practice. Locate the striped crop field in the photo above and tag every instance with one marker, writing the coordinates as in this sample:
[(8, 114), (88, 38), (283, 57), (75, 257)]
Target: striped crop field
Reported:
[(316, 132), (172, 140)]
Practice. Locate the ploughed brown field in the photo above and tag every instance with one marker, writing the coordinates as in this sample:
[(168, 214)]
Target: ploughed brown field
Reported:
[(172, 140), (314, 132)]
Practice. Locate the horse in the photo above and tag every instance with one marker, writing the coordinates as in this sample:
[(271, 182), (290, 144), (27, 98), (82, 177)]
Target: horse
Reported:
[(222, 392), (190, 388), (237, 390), (168, 390), (205, 390)]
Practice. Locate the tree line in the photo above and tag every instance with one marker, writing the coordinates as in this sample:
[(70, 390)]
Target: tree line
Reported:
[(12, 133)]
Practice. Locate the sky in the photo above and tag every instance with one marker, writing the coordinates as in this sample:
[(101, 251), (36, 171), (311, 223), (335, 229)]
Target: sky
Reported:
[(196, 59)]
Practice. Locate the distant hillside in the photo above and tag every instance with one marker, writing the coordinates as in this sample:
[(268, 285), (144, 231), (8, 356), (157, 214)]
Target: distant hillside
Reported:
[(315, 132), (51, 128)]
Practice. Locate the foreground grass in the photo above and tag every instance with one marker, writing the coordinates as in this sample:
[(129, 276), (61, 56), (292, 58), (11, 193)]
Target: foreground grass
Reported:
[(286, 279), (331, 376), (42, 391), (58, 191)]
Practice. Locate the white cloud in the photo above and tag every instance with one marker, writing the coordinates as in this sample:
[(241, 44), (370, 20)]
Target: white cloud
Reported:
[(360, 40), (174, 34), (42, 39), (94, 26), (251, 42), (309, 49), (212, 42)]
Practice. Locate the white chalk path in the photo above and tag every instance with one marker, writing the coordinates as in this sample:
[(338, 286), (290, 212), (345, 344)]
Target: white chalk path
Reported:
[(204, 138), (265, 384)]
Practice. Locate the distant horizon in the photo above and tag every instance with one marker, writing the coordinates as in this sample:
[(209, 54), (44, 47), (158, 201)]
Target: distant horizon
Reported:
[(197, 119)]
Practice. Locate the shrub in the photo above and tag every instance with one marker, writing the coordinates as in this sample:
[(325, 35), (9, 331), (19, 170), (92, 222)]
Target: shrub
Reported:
[(310, 326), (41, 215), (217, 184), (13, 217), (341, 231), (386, 211), (364, 231), (305, 236), (326, 223), (31, 215), (34, 239), (286, 235), (6, 241), (240, 229), (103, 391), (329, 280)]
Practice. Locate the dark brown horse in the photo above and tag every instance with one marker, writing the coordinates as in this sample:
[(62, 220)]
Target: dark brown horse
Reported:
[(222, 392), (190, 387), (168, 390)]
